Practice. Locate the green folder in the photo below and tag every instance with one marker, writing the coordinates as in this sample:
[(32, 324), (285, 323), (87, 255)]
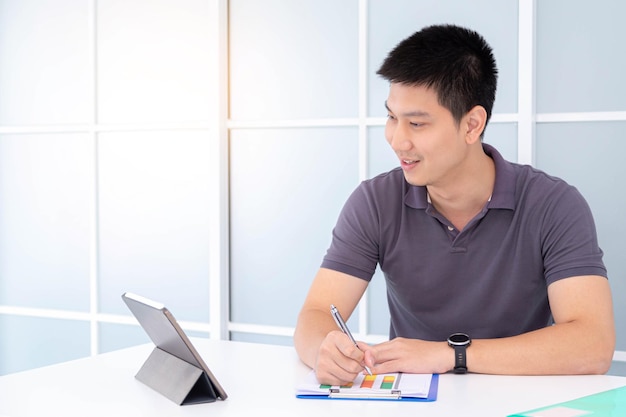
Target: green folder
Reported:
[(610, 403)]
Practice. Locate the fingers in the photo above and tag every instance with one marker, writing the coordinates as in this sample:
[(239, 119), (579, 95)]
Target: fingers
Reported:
[(338, 361), (408, 355), (337, 372), (369, 358), (387, 356), (343, 361), (379, 364)]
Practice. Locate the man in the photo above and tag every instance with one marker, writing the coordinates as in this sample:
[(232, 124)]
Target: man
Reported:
[(491, 267)]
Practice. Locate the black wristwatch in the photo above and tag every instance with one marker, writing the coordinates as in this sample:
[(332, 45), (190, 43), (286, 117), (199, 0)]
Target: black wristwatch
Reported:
[(459, 342)]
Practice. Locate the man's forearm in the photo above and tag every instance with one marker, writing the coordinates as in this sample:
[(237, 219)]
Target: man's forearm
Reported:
[(311, 329), (555, 350)]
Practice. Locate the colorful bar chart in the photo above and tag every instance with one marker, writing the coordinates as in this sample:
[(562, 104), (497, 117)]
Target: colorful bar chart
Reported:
[(388, 381), (368, 382), (326, 386)]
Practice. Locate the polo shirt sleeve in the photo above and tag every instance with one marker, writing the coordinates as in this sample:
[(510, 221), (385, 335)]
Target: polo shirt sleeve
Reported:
[(569, 239), (354, 246)]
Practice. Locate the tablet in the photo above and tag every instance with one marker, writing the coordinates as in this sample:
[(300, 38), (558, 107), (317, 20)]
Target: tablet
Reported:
[(167, 335)]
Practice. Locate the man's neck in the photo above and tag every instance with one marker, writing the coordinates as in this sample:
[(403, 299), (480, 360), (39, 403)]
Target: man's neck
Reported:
[(463, 199)]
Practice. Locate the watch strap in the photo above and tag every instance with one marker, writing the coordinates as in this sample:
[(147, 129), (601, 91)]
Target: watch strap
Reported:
[(460, 361)]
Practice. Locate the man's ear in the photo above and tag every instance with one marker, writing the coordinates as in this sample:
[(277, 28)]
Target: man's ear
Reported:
[(475, 121)]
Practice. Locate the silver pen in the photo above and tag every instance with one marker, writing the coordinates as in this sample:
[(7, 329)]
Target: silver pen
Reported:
[(344, 328)]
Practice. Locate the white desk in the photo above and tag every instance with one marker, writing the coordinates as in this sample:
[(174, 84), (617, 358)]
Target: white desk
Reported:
[(263, 378)]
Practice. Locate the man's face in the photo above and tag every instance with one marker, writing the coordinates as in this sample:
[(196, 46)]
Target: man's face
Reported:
[(423, 134)]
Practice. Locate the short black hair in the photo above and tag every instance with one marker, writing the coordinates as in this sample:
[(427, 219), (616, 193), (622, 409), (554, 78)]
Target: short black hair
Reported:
[(456, 62)]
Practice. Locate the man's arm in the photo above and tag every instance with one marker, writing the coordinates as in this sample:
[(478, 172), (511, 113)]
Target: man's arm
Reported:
[(317, 338), (581, 341)]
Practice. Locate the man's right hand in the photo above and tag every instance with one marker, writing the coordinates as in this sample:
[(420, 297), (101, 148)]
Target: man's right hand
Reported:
[(338, 360)]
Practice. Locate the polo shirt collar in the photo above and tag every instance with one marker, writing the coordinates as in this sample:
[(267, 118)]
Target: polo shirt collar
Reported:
[(503, 196)]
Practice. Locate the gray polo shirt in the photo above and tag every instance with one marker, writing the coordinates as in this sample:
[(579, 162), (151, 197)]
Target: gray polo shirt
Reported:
[(489, 280)]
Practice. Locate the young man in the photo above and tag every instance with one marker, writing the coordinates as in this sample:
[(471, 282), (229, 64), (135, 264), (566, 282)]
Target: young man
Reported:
[(491, 267)]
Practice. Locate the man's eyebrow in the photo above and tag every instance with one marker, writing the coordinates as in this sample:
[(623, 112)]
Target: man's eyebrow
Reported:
[(415, 113)]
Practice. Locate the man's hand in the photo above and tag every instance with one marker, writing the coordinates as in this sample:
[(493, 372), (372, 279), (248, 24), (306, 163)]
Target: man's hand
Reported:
[(338, 360), (410, 356)]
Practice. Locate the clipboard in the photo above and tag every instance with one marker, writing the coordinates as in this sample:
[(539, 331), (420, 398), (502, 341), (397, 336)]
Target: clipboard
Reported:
[(386, 387)]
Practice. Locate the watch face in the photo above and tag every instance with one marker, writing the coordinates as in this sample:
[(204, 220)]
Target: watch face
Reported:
[(459, 339)]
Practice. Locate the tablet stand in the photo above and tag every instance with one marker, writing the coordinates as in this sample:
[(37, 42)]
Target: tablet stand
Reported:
[(176, 379)]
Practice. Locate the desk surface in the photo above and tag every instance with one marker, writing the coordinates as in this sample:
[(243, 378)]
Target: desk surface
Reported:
[(263, 378)]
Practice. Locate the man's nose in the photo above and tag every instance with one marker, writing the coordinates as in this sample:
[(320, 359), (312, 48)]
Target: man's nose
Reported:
[(397, 137)]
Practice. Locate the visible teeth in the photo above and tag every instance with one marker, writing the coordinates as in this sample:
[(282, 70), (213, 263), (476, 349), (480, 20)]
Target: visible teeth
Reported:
[(407, 161)]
